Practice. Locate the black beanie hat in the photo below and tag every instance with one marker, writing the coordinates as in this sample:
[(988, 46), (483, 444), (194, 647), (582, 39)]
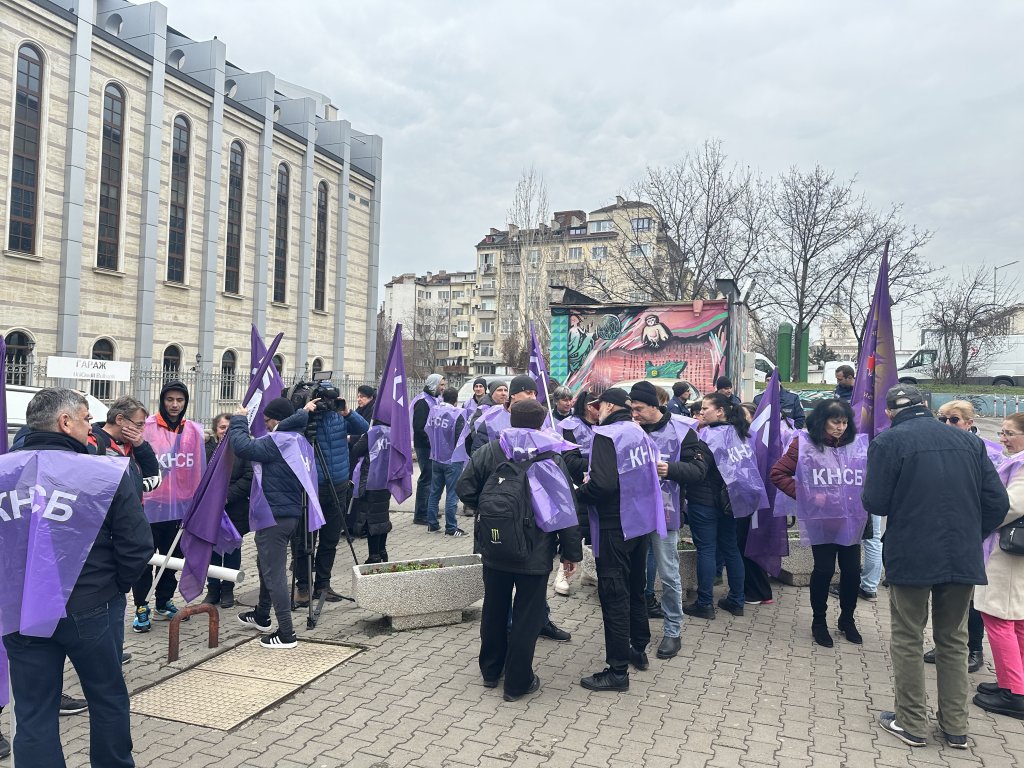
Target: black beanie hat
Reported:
[(279, 409), (521, 383), (527, 414), (723, 382), (615, 396), (481, 381), (644, 392)]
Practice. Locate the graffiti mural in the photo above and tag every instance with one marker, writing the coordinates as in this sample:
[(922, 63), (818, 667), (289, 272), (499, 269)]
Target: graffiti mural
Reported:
[(593, 347)]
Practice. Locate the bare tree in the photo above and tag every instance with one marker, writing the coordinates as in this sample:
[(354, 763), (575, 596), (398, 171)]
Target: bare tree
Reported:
[(764, 334), (968, 318), (816, 237)]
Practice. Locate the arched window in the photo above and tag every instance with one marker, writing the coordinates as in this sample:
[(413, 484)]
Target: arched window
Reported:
[(233, 255), (227, 375), (103, 349), (176, 229), (318, 365), (108, 240), (281, 236), (172, 359), (320, 277), (19, 350), (25, 157), (279, 365)]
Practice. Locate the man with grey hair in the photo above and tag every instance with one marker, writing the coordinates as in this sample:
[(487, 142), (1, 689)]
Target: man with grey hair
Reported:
[(86, 496), (121, 435), (941, 497)]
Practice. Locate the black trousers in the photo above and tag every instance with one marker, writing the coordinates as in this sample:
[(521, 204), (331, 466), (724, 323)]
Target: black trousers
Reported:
[(377, 546), (621, 580), (512, 649), (756, 586), (425, 478), (975, 629), (825, 557), (163, 537), (328, 538)]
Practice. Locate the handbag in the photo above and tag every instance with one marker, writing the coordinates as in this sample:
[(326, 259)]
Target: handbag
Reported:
[(1011, 537)]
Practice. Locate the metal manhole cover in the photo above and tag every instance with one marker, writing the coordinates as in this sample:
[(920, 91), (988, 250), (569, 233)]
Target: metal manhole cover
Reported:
[(237, 685)]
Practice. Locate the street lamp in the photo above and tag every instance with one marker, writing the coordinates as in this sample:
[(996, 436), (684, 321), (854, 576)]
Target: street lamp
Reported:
[(995, 272)]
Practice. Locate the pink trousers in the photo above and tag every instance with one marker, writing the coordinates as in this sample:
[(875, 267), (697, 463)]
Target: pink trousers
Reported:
[(1006, 636)]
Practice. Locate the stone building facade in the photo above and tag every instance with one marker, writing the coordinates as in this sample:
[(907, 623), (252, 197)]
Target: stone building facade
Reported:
[(158, 200)]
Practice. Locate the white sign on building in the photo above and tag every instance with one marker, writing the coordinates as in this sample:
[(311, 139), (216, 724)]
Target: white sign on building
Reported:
[(81, 368)]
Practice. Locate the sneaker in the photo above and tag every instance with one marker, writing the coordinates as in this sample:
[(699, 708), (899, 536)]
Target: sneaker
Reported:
[(888, 722), (250, 619), (433, 527), (956, 742), (607, 680), (561, 583), (142, 622), (276, 642), (699, 611), (727, 605), (551, 632), (759, 602), (863, 594), (491, 683), (534, 687), (125, 658), (69, 705), (929, 656), (456, 532), (638, 659), (168, 612)]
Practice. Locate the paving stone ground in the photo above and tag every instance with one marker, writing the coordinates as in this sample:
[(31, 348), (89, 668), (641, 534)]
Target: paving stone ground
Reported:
[(748, 691)]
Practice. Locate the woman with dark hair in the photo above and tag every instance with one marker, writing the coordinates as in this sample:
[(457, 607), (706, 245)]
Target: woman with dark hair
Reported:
[(823, 471), (727, 489)]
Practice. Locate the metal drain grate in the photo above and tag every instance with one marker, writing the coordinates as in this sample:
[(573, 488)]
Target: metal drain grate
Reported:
[(237, 685)]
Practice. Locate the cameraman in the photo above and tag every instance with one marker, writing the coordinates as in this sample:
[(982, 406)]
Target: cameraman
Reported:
[(333, 426)]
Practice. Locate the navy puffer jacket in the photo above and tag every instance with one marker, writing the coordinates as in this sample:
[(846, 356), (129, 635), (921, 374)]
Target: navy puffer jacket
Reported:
[(332, 438)]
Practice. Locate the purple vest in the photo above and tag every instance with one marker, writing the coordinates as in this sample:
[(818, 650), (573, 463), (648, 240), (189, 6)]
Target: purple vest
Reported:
[(582, 432), (431, 402), (734, 458), (298, 454), (828, 488), (554, 506), (994, 451), (182, 457), (441, 423), (641, 507), (494, 421), (52, 505), (669, 440)]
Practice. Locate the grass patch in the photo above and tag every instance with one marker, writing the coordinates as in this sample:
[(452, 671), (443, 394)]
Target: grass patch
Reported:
[(928, 387), (406, 567)]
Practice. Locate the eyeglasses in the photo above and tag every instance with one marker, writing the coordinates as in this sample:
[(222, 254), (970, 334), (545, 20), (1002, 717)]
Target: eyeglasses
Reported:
[(1004, 433), (138, 424), (950, 419)]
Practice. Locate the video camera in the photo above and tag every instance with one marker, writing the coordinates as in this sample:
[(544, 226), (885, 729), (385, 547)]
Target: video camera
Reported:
[(320, 388)]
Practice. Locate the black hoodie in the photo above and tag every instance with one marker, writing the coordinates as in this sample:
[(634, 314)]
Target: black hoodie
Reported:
[(174, 425)]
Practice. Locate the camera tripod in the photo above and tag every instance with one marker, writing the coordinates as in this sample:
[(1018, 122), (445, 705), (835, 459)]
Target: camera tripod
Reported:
[(309, 542)]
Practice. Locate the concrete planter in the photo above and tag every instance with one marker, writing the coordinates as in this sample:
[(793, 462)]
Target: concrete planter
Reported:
[(415, 599)]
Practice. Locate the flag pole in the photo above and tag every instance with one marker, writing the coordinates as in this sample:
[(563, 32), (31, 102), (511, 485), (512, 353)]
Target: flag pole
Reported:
[(544, 374)]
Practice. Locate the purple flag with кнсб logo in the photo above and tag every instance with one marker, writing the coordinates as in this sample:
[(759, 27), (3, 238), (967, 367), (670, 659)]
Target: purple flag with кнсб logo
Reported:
[(876, 363), (392, 408)]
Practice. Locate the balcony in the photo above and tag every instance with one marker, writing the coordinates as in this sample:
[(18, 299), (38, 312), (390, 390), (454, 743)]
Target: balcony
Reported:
[(482, 336), (487, 290), (487, 269), (461, 334), (458, 370)]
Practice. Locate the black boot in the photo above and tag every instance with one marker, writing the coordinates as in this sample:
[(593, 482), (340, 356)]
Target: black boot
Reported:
[(848, 627), (819, 631), (227, 595), (653, 608), (1002, 703), (212, 593), (975, 661)]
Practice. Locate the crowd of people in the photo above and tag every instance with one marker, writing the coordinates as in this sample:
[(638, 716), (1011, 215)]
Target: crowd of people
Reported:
[(623, 471)]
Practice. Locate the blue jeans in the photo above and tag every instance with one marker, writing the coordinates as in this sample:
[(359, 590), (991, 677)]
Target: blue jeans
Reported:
[(713, 534), (93, 639), (443, 478), (871, 572), (666, 553)]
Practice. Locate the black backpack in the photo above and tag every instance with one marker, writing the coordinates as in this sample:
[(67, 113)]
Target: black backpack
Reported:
[(505, 511)]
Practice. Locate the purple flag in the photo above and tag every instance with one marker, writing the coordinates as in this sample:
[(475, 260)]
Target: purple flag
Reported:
[(52, 505), (768, 539), (537, 368), (298, 454), (4, 447), (266, 382), (392, 408), (206, 527), (876, 364)]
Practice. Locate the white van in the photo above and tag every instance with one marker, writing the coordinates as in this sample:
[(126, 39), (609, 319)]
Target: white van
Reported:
[(18, 398), (1003, 368)]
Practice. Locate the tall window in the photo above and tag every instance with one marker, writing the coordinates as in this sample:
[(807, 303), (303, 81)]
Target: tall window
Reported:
[(227, 375), (108, 240), (176, 234), (281, 235), (25, 158), (19, 348), (278, 362), (102, 350), (233, 257), (318, 365), (172, 359), (320, 281)]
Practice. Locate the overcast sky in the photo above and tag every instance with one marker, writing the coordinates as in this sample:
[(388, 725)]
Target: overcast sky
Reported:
[(923, 101)]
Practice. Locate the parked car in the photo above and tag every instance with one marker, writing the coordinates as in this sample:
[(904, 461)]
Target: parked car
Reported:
[(466, 390), (18, 398), (692, 400)]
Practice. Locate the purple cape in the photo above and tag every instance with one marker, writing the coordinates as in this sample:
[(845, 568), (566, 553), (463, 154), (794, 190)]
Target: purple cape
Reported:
[(182, 457), (734, 458), (669, 440), (459, 453), (298, 454), (582, 432), (554, 506), (441, 423), (378, 442), (52, 505)]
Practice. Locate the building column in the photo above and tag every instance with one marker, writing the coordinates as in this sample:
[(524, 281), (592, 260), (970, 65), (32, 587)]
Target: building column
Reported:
[(368, 155), (69, 286), (335, 137)]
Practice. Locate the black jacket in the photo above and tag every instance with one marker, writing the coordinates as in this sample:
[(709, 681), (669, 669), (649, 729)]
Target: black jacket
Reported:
[(791, 407), (843, 393), (708, 491), (544, 545), (143, 462), (237, 504), (123, 545), (940, 496), (602, 487), (678, 407), (369, 507), (280, 485), (420, 413), (689, 468)]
